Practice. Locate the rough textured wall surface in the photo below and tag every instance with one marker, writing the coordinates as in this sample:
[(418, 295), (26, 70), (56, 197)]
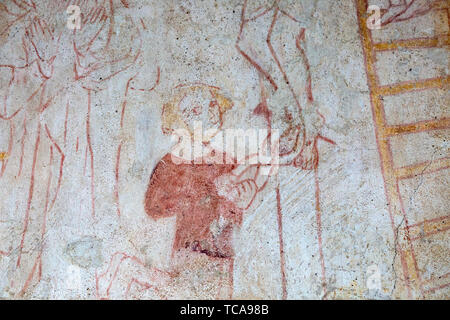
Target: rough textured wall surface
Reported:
[(98, 199)]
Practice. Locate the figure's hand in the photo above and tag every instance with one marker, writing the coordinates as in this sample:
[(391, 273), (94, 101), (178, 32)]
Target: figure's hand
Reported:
[(308, 159), (241, 193)]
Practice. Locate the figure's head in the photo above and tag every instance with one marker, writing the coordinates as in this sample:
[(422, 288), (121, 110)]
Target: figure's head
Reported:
[(195, 104)]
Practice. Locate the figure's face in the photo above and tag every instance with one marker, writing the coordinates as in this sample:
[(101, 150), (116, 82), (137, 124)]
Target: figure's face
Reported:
[(200, 107)]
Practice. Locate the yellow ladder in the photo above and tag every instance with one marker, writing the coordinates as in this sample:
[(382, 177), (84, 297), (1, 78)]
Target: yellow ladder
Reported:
[(405, 236)]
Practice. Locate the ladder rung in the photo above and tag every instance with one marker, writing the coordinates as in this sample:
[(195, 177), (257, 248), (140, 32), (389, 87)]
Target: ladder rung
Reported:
[(412, 86), (411, 44), (436, 283), (417, 127), (429, 227), (422, 168)]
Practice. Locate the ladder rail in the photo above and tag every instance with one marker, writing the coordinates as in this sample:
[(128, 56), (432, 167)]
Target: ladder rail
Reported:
[(404, 237)]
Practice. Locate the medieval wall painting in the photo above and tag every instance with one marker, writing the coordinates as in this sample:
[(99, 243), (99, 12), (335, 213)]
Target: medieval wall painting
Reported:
[(244, 149)]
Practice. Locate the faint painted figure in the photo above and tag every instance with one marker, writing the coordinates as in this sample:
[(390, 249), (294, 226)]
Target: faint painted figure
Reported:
[(273, 40), (56, 74)]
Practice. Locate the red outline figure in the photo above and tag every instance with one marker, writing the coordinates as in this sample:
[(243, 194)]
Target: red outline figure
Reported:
[(208, 197), (298, 143), (35, 78), (191, 192)]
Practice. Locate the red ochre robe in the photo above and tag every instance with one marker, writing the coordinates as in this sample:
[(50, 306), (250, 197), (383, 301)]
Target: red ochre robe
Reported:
[(188, 192)]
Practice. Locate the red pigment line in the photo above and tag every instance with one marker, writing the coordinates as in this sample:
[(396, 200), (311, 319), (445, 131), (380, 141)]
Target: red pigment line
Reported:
[(274, 55), (143, 24), (65, 122), (402, 208), (11, 116), (258, 67), (289, 16), (40, 267), (61, 166), (429, 234), (101, 14), (13, 22), (5, 98), (428, 221), (113, 269), (111, 24), (319, 230), (326, 140), (145, 285), (280, 236), (96, 14), (115, 275), (438, 288), (22, 147), (91, 152), (107, 270), (18, 4), (44, 225), (193, 84), (41, 27), (408, 236), (299, 39), (30, 193), (231, 273), (29, 31), (25, 50), (33, 4), (53, 140), (30, 277), (124, 104), (47, 196), (94, 38), (438, 278), (158, 77), (116, 186), (85, 19), (10, 145), (35, 92), (428, 172), (46, 27), (37, 51), (257, 15), (9, 12), (85, 159), (121, 70)]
